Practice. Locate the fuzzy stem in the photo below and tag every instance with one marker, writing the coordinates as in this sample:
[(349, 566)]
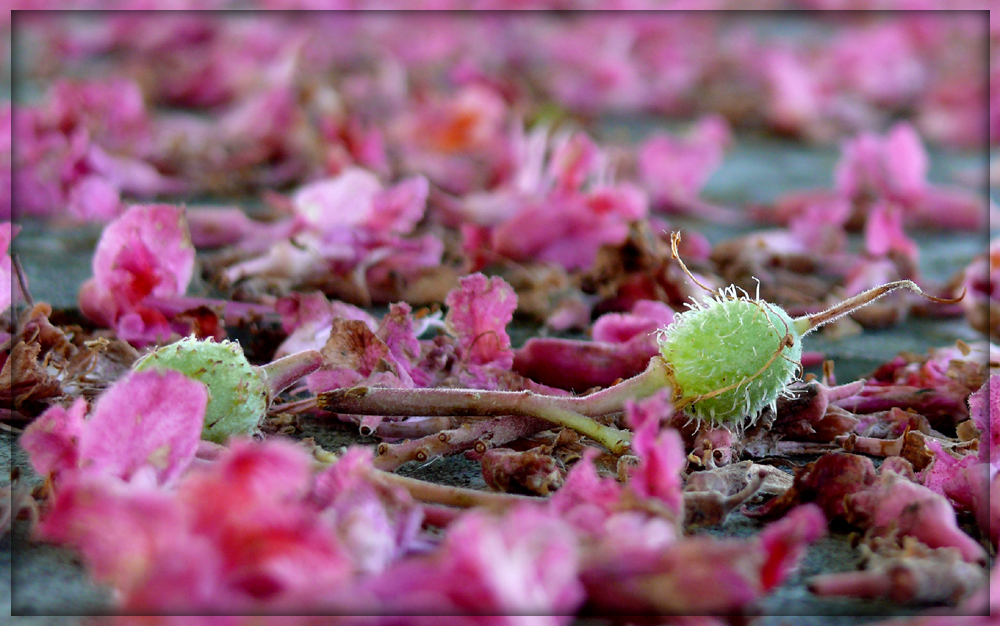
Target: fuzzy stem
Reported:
[(570, 411), (448, 402), (413, 429), (458, 402), (452, 496), (294, 407), (491, 432), (612, 400), (279, 375), (808, 323)]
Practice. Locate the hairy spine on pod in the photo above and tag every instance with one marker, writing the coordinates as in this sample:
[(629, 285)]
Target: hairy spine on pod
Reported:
[(730, 356)]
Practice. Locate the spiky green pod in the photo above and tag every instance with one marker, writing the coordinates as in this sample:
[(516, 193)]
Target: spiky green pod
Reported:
[(730, 356), (238, 396)]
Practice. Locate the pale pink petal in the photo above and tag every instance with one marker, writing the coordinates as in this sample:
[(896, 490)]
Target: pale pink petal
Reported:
[(94, 198), (338, 202)]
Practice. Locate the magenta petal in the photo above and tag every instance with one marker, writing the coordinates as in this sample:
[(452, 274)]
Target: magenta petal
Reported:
[(399, 208), (52, 440), (149, 419), (120, 529), (7, 232), (784, 542), (478, 314), (905, 160), (94, 198), (146, 251), (661, 454), (884, 232), (984, 409)]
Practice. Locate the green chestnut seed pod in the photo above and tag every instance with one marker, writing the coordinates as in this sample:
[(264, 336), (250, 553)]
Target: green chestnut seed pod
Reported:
[(238, 395), (730, 356)]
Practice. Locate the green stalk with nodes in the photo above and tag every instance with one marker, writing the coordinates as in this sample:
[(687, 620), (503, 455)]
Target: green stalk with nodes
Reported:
[(725, 360)]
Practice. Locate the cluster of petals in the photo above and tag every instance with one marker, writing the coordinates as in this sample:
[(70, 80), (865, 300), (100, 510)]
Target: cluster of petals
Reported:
[(145, 253)]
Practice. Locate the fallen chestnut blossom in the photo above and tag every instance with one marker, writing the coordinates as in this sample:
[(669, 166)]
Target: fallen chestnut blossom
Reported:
[(84, 146), (976, 610), (981, 279), (710, 496), (809, 412), (459, 140), (529, 471), (142, 266), (892, 168), (253, 527), (704, 575), (7, 283), (133, 433), (935, 385), (674, 170), (560, 206), (912, 573), (895, 504), (884, 503), (145, 252), (825, 482), (350, 226)]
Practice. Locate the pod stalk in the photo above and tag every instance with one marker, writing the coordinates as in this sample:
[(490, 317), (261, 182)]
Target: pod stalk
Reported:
[(808, 323)]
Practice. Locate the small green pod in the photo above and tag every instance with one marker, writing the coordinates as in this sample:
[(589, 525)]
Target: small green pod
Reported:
[(730, 356), (238, 396)]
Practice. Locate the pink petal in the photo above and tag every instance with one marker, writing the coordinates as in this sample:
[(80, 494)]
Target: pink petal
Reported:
[(661, 453), (905, 160), (94, 198), (120, 529), (884, 232), (399, 208), (7, 232), (146, 251), (586, 500), (896, 503), (338, 202), (645, 318), (984, 409), (784, 542), (478, 314), (149, 419), (52, 440)]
